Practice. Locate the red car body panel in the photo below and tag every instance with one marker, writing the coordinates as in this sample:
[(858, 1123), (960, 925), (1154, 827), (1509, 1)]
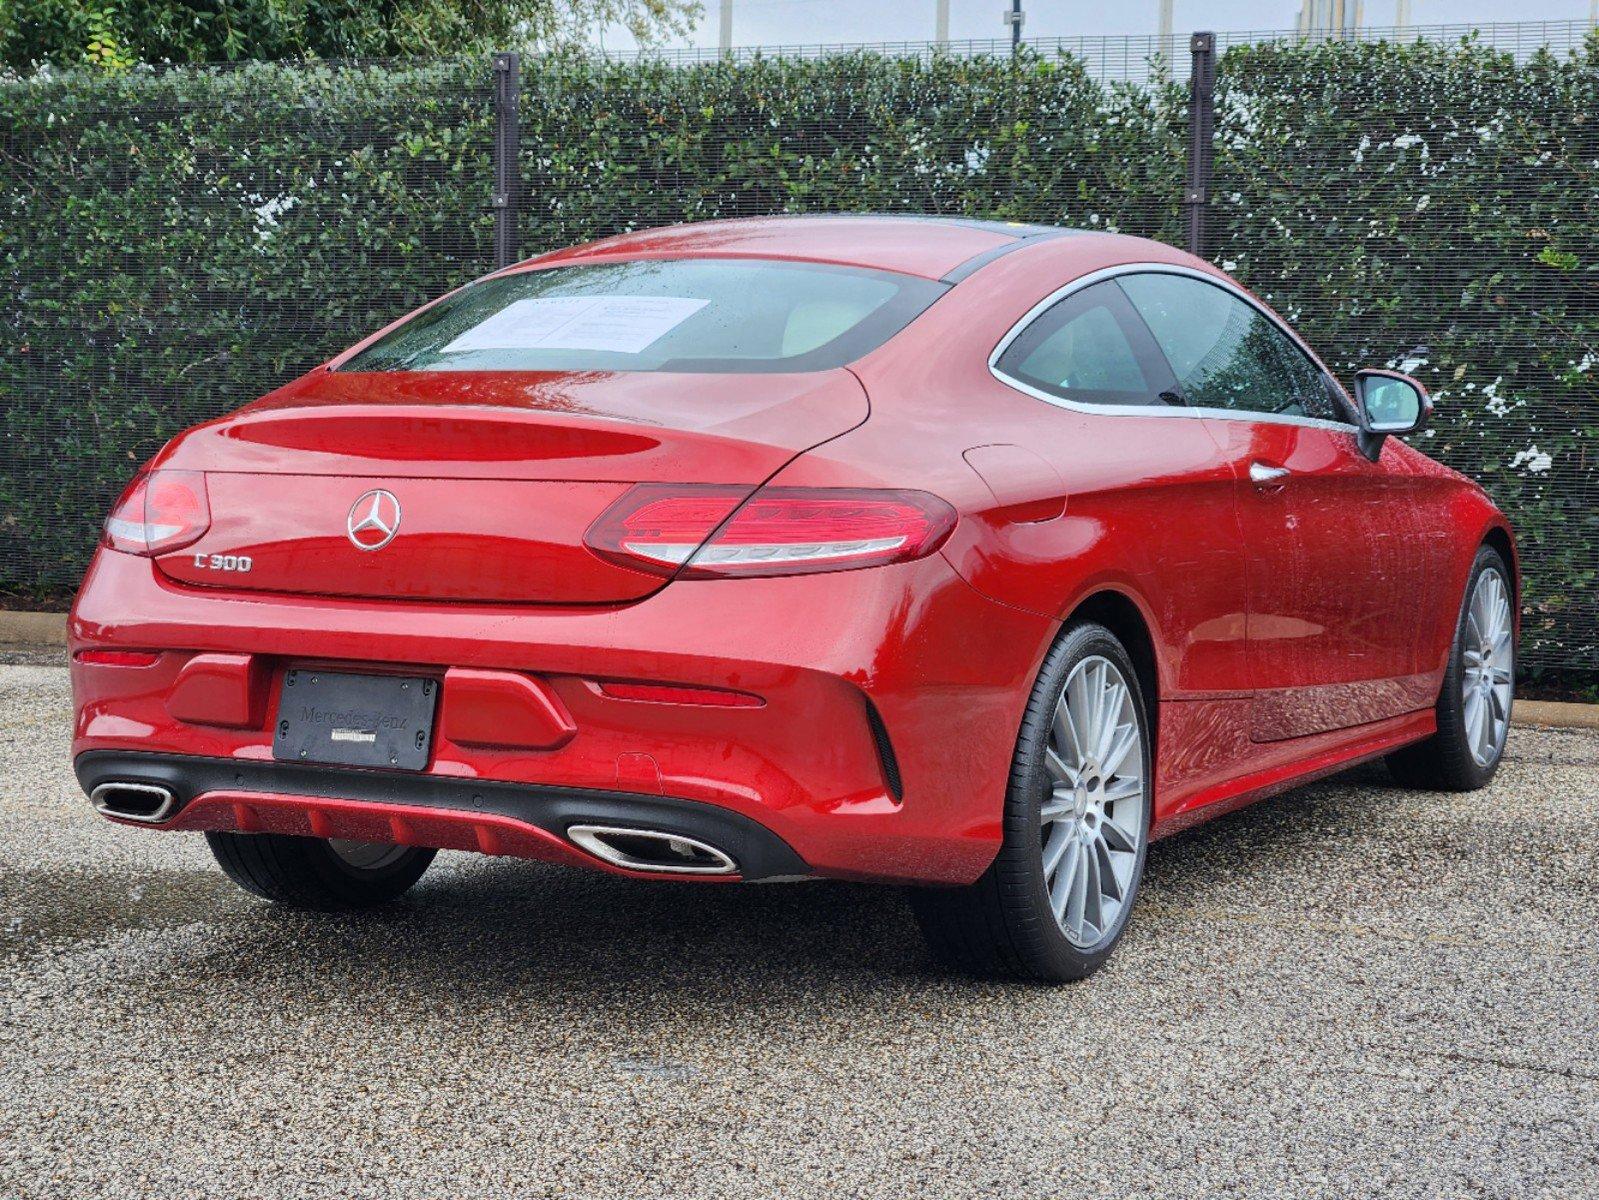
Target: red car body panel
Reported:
[(1285, 634), (909, 246)]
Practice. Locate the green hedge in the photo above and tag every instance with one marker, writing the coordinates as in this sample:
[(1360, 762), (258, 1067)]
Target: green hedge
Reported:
[(175, 243), (1436, 208), (613, 146), (172, 245)]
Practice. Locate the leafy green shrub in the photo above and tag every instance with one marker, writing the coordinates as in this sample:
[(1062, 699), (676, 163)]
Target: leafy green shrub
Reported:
[(173, 245), (1026, 139), (1436, 209), (114, 34)]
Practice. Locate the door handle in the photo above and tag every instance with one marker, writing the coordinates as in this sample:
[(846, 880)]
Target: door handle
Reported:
[(1267, 477)]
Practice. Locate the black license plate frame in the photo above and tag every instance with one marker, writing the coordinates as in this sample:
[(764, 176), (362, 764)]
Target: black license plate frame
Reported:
[(348, 719)]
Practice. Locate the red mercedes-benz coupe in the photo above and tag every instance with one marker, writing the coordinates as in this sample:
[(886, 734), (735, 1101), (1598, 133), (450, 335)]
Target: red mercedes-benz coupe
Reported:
[(950, 553)]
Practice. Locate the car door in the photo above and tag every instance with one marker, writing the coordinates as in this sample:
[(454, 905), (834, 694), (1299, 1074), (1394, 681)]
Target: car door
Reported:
[(1150, 507), (1327, 534)]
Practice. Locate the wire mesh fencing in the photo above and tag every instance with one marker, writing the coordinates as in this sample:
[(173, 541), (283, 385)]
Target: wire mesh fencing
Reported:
[(175, 243), (1138, 58), (1113, 59), (1434, 208)]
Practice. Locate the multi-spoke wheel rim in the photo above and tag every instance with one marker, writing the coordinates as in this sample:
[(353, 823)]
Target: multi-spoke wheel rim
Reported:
[(1094, 815), (1488, 679), (366, 856)]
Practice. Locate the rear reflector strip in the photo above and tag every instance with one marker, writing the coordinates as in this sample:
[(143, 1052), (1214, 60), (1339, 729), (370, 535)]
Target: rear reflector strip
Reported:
[(671, 694), (118, 658)]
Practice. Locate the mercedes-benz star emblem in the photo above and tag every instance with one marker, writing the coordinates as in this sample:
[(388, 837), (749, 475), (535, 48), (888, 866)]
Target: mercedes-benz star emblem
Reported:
[(374, 520)]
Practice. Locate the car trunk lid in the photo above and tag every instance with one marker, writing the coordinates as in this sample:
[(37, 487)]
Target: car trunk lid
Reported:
[(476, 487)]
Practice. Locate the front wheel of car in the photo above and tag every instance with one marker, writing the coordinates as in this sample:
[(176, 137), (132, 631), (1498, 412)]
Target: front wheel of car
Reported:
[(1057, 898), (324, 874), (1479, 688)]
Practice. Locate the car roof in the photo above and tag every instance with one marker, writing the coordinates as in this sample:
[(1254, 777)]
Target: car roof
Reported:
[(934, 247)]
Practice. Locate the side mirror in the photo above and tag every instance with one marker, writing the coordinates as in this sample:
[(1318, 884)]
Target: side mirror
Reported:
[(1389, 403)]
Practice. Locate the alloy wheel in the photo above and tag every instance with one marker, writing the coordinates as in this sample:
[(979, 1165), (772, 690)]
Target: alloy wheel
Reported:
[(1094, 817), (1487, 681)]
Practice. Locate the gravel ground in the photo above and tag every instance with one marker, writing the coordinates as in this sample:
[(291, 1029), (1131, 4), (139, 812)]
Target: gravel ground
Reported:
[(1348, 991)]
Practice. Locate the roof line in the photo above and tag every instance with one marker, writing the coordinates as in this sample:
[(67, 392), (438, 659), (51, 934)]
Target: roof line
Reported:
[(1039, 233), (1015, 229)]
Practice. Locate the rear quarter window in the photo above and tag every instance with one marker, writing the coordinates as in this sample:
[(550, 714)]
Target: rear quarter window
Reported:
[(1090, 347)]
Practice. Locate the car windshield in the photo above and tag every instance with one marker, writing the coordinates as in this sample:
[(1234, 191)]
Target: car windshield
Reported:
[(657, 315)]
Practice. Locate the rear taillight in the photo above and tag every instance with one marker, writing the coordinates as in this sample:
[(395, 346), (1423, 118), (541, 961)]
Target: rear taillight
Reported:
[(702, 531), (159, 511)]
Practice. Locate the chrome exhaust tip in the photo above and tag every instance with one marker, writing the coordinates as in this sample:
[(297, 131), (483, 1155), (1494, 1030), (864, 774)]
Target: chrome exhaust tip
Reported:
[(148, 803), (651, 850)]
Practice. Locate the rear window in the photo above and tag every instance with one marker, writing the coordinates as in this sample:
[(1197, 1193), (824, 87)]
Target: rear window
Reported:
[(678, 315)]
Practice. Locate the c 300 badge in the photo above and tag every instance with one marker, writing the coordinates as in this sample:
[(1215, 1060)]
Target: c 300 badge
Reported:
[(223, 562)]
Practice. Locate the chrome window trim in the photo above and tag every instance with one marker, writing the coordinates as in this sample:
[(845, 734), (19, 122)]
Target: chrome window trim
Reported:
[(1156, 410)]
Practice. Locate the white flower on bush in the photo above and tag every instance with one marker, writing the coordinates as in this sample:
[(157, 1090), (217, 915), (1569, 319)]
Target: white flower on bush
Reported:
[(1497, 404), (1534, 460), (266, 215)]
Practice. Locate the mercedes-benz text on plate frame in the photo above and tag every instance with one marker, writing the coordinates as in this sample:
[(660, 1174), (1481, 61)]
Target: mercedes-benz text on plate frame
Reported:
[(964, 555), (355, 720), (374, 519)]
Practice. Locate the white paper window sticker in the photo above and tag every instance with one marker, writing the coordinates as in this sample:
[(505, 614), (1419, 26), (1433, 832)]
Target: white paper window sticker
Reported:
[(622, 324)]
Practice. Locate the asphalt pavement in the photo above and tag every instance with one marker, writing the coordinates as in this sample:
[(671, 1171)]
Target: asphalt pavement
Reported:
[(1351, 990)]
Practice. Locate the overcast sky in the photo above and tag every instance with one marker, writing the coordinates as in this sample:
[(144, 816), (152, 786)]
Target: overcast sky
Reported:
[(773, 22)]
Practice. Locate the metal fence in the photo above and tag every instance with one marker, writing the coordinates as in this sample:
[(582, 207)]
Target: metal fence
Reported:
[(1137, 58), (176, 243)]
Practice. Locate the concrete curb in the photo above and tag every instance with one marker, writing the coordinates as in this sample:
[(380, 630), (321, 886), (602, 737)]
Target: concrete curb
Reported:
[(1555, 714), (33, 629), (50, 629)]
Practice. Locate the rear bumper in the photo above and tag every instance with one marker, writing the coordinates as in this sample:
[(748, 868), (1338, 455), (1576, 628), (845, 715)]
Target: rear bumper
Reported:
[(425, 810), (803, 778)]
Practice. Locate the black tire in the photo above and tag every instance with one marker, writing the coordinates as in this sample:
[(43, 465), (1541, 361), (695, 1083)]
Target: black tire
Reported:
[(1004, 925), (1444, 762), (307, 873)]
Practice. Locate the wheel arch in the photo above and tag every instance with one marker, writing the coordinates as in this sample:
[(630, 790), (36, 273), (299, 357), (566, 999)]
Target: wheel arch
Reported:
[(1498, 537), (1122, 615), (1493, 532)]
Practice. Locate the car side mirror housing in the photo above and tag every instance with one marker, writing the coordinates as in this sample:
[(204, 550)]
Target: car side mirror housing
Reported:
[(1389, 403)]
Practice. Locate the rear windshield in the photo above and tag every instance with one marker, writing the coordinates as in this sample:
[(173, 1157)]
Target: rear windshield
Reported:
[(677, 315)]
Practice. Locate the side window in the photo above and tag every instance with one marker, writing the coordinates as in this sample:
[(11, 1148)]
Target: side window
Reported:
[(1090, 347), (1313, 391), (1225, 353)]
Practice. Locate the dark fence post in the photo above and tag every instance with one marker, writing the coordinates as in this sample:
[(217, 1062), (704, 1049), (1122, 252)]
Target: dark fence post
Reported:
[(507, 85), (1201, 134)]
